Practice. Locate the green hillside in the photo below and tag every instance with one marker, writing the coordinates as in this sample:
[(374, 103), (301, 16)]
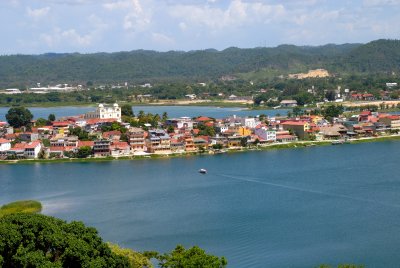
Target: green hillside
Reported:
[(141, 66)]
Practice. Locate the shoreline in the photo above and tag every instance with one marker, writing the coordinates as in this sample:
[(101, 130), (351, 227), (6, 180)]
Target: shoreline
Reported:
[(161, 103), (275, 146)]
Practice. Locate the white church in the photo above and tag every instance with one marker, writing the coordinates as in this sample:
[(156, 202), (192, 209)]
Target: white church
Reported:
[(104, 112)]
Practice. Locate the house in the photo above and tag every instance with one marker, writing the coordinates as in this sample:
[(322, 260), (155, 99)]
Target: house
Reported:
[(189, 143), (85, 144), (244, 131), (177, 146), (235, 141), (112, 135), (299, 128), (249, 122), (265, 134), (364, 116), (28, 136), (101, 148), (391, 121), (119, 148), (137, 138), (285, 136), (61, 127), (60, 141), (158, 142), (191, 96), (182, 122), (26, 150), (336, 131), (288, 103), (104, 112), (4, 145)]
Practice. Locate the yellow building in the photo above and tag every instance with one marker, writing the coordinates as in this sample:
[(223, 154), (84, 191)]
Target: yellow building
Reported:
[(244, 131)]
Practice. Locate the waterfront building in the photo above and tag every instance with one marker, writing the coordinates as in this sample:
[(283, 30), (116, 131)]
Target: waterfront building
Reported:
[(391, 121), (158, 142), (137, 138), (234, 141), (288, 103), (104, 112), (119, 148), (189, 143), (265, 134), (101, 148), (300, 128), (4, 145), (29, 150), (177, 146)]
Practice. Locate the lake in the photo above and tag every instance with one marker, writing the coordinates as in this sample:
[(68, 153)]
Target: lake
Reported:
[(173, 111), (281, 208)]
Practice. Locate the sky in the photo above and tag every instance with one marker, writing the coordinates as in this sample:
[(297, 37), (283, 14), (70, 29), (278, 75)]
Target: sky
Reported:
[(88, 26)]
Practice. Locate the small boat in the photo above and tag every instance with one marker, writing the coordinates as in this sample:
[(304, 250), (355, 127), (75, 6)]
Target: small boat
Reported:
[(337, 142), (202, 171)]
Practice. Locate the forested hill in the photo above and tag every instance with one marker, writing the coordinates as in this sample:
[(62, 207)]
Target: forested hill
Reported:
[(141, 66)]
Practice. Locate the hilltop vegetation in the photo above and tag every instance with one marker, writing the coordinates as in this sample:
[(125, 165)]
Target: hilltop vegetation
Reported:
[(382, 56)]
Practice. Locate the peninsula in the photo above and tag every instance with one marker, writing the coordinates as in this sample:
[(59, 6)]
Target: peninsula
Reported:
[(114, 132)]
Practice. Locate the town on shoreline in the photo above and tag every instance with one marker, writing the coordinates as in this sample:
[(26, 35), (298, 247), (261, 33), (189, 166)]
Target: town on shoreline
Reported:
[(115, 132)]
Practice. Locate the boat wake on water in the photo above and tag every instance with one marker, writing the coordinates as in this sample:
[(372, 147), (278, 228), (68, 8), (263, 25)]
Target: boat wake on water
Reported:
[(287, 187)]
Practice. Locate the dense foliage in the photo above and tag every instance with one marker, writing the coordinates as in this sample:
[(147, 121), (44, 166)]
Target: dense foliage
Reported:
[(34, 240), (140, 66), (136, 259), (19, 117), (192, 257)]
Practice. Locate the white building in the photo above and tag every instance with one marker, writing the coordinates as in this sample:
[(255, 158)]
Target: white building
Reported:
[(249, 122), (103, 112), (265, 134), (4, 145), (27, 150)]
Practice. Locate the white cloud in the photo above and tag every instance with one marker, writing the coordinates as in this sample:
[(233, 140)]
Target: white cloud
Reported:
[(116, 5), (162, 39), (182, 26), (371, 3), (136, 19), (37, 13), (70, 36), (238, 13)]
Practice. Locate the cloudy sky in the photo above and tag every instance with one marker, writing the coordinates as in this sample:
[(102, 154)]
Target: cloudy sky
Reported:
[(39, 26)]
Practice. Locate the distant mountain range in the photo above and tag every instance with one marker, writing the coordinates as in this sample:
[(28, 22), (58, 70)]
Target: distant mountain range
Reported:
[(140, 66)]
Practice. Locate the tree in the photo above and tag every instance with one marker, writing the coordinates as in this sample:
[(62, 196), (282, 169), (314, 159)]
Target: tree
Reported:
[(18, 117), (297, 111), (330, 95), (164, 116), (193, 257), (52, 118), (34, 240), (126, 110), (84, 152), (333, 111), (40, 122), (136, 259)]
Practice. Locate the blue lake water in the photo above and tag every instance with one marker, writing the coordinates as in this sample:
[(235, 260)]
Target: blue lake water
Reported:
[(173, 111), (283, 208)]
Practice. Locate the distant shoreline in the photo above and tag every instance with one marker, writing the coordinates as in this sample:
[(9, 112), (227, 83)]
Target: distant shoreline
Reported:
[(159, 103), (275, 146)]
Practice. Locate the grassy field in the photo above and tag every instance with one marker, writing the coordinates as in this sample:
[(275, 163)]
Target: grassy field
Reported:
[(24, 206)]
